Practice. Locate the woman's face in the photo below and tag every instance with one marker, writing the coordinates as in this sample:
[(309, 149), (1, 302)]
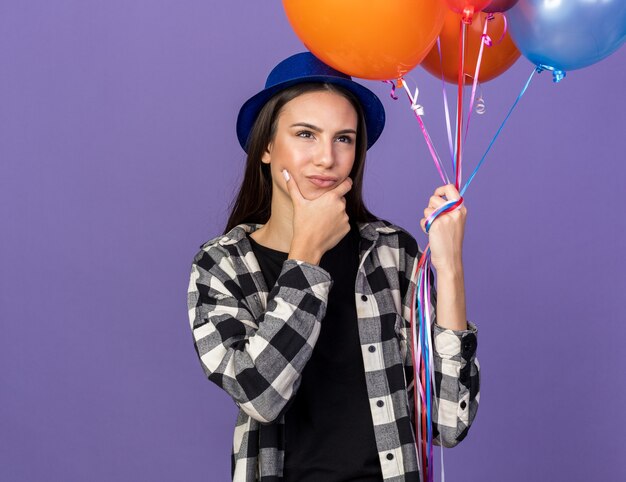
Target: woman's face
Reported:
[(315, 141)]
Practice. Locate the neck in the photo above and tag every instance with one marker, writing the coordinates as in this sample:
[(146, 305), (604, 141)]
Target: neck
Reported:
[(277, 233)]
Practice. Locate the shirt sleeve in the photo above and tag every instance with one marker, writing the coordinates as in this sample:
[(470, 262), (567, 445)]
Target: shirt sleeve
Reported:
[(457, 371), (257, 361)]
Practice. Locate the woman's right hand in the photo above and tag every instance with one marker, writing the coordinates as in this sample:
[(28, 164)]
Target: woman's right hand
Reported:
[(318, 224)]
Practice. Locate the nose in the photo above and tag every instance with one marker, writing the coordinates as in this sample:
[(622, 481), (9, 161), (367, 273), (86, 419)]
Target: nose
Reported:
[(325, 156)]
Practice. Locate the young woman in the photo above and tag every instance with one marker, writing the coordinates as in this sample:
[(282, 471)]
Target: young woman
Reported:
[(300, 310)]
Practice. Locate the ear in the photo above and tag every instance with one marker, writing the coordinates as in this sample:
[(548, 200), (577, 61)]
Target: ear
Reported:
[(267, 155)]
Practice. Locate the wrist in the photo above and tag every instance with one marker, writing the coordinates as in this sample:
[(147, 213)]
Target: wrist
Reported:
[(304, 253), (450, 269), (305, 258)]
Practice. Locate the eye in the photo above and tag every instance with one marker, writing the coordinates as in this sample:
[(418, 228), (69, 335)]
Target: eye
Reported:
[(305, 134), (345, 139)]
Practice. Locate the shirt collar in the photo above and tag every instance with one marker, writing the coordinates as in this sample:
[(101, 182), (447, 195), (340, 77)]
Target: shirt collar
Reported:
[(369, 230), (373, 229)]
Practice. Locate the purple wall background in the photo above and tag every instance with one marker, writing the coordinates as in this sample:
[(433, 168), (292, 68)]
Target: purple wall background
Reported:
[(119, 158)]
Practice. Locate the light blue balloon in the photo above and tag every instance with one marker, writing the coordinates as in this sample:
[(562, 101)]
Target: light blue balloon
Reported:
[(567, 34)]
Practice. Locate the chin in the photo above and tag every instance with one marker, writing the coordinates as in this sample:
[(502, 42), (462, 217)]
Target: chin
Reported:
[(313, 195)]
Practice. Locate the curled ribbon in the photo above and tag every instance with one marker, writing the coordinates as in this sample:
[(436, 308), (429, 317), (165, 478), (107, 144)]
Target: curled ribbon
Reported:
[(392, 94), (480, 107), (491, 17)]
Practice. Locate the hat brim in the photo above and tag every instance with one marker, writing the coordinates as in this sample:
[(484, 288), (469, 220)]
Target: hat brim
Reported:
[(373, 109)]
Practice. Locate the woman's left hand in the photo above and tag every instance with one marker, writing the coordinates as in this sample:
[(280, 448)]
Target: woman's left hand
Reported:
[(447, 231)]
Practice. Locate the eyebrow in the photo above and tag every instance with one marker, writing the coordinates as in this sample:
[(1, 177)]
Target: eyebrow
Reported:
[(317, 129)]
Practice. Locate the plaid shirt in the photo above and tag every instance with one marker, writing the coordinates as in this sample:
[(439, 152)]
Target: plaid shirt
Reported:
[(254, 343)]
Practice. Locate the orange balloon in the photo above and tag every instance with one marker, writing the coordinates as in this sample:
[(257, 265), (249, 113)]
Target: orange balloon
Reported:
[(370, 39), (496, 59)]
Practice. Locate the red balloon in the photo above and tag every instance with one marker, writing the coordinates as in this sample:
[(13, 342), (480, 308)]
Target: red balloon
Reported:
[(496, 59), (497, 6), (373, 39)]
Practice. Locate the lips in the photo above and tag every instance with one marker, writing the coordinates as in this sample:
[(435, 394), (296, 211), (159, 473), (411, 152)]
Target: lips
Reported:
[(322, 181)]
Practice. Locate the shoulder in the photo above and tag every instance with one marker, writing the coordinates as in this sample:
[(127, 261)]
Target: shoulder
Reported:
[(226, 247), (232, 237)]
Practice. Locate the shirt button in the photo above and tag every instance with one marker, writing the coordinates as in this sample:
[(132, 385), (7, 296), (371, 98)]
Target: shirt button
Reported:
[(380, 403), (364, 298), (469, 344), (389, 456), (463, 404), (372, 349)]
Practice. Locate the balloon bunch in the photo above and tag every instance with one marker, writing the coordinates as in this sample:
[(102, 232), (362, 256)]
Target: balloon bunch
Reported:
[(462, 42), (385, 39)]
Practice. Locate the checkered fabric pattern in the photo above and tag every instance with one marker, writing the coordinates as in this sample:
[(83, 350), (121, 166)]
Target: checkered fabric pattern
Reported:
[(254, 343)]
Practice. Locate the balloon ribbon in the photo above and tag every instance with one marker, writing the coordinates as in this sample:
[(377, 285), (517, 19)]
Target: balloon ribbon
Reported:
[(421, 341)]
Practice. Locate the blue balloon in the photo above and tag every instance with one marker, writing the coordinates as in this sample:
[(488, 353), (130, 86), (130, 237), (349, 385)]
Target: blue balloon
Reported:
[(565, 35)]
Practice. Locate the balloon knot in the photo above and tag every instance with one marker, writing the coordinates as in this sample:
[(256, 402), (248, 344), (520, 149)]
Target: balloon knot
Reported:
[(468, 15), (418, 109), (557, 74)]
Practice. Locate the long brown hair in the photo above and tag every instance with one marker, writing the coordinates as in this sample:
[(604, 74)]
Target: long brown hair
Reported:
[(253, 203)]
